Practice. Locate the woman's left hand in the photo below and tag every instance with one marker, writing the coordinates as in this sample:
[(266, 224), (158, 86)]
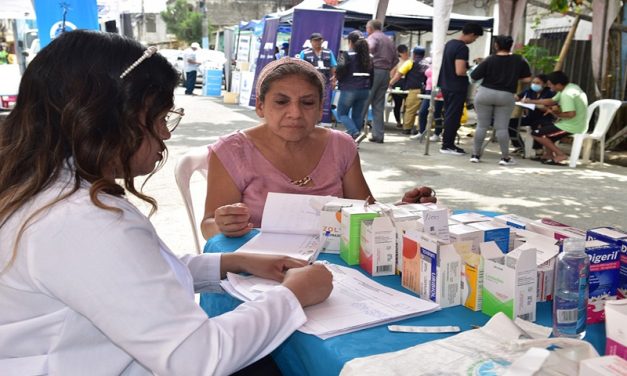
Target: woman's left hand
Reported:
[(420, 195)]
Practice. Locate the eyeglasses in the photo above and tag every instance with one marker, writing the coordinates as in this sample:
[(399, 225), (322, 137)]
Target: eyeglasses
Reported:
[(173, 118)]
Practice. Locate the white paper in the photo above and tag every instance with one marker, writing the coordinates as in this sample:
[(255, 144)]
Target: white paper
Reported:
[(293, 213), (290, 226), (356, 302), (298, 246), (530, 106)]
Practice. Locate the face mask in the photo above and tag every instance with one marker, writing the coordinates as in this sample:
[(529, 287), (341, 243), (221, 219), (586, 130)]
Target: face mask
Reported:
[(536, 87)]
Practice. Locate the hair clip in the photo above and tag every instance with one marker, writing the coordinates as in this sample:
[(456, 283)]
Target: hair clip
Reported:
[(148, 53)]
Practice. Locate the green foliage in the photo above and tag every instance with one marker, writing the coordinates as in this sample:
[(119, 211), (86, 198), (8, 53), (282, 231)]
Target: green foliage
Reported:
[(183, 21), (538, 58), (560, 6)]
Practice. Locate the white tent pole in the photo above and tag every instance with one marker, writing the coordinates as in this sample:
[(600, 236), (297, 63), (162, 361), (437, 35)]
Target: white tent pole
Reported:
[(441, 19)]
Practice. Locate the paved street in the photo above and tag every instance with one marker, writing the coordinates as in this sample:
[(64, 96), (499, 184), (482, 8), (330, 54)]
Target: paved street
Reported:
[(584, 197)]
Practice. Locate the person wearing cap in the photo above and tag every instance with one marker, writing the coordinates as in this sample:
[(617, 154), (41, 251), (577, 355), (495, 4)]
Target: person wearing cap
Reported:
[(190, 67), (414, 72), (320, 57)]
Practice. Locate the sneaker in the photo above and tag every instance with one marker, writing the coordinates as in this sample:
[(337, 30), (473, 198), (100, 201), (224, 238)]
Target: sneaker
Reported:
[(434, 138), (375, 140), (406, 131), (475, 158), (454, 150), (417, 136), (507, 161)]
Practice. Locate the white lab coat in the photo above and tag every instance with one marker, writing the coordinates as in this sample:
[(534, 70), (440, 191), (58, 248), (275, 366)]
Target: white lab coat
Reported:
[(90, 293)]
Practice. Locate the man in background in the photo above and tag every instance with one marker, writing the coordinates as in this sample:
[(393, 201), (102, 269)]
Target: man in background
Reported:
[(320, 57), (190, 66), (454, 84), (384, 59)]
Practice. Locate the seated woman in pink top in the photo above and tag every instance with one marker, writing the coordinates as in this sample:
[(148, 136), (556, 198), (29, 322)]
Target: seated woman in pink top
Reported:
[(285, 153)]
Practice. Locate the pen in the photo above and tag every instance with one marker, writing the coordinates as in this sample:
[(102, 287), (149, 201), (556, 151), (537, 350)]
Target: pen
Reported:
[(322, 247)]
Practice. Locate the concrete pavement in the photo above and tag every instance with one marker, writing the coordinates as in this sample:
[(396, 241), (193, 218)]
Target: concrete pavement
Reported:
[(584, 197)]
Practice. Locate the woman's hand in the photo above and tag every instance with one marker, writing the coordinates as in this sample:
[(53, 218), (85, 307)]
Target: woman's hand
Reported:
[(420, 195), (271, 267), (233, 220), (311, 284)]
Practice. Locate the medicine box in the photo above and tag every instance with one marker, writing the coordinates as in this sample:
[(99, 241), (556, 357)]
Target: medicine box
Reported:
[(513, 220), (410, 272), (331, 223), (377, 250), (554, 229), (470, 217), (431, 269), (615, 328), (604, 277), (471, 282), (462, 232), (496, 232), (404, 218), (351, 231), (509, 283), (613, 235), (546, 253)]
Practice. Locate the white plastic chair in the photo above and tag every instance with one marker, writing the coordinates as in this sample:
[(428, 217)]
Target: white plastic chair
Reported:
[(196, 159), (607, 111)]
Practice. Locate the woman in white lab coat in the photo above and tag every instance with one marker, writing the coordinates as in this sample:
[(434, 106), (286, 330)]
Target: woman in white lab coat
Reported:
[(86, 285)]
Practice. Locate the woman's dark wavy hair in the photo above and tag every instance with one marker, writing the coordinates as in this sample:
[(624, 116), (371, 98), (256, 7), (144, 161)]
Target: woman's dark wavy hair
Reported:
[(73, 106), (363, 55)]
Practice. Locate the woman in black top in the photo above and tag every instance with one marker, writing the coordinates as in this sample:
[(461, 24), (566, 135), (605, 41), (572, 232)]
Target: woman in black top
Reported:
[(532, 118), (494, 101), (354, 74)]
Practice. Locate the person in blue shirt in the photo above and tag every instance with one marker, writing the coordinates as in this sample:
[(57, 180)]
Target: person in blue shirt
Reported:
[(320, 57)]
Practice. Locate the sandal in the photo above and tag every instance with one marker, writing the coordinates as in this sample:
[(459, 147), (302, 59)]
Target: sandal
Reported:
[(553, 163)]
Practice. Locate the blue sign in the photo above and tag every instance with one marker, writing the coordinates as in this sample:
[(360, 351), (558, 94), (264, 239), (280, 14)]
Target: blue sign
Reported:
[(55, 17)]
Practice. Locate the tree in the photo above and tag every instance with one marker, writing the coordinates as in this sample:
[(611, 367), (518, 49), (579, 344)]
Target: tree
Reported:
[(184, 22)]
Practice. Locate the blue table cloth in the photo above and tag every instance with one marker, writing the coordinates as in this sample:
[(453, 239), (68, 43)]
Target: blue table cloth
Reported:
[(304, 354)]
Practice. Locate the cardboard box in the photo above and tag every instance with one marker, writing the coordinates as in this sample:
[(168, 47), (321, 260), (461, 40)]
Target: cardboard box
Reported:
[(615, 328), (513, 220), (496, 232), (377, 250), (554, 229), (462, 233), (470, 217), (410, 274), (404, 218), (231, 97), (604, 277), (351, 231), (510, 282), (613, 235), (431, 269), (603, 366), (546, 254), (331, 223), (471, 282)]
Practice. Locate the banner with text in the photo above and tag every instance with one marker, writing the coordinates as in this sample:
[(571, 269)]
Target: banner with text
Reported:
[(329, 23), (56, 17), (266, 52)]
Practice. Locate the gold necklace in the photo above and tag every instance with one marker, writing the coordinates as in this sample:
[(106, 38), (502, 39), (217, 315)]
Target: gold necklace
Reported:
[(301, 182)]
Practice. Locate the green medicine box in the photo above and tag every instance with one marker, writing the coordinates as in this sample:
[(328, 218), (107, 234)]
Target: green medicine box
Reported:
[(351, 231)]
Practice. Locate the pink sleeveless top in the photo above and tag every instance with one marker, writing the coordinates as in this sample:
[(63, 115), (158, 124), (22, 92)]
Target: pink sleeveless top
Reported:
[(255, 176)]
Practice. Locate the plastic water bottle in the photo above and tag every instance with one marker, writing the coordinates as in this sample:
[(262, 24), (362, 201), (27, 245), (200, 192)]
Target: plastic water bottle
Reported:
[(570, 300)]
